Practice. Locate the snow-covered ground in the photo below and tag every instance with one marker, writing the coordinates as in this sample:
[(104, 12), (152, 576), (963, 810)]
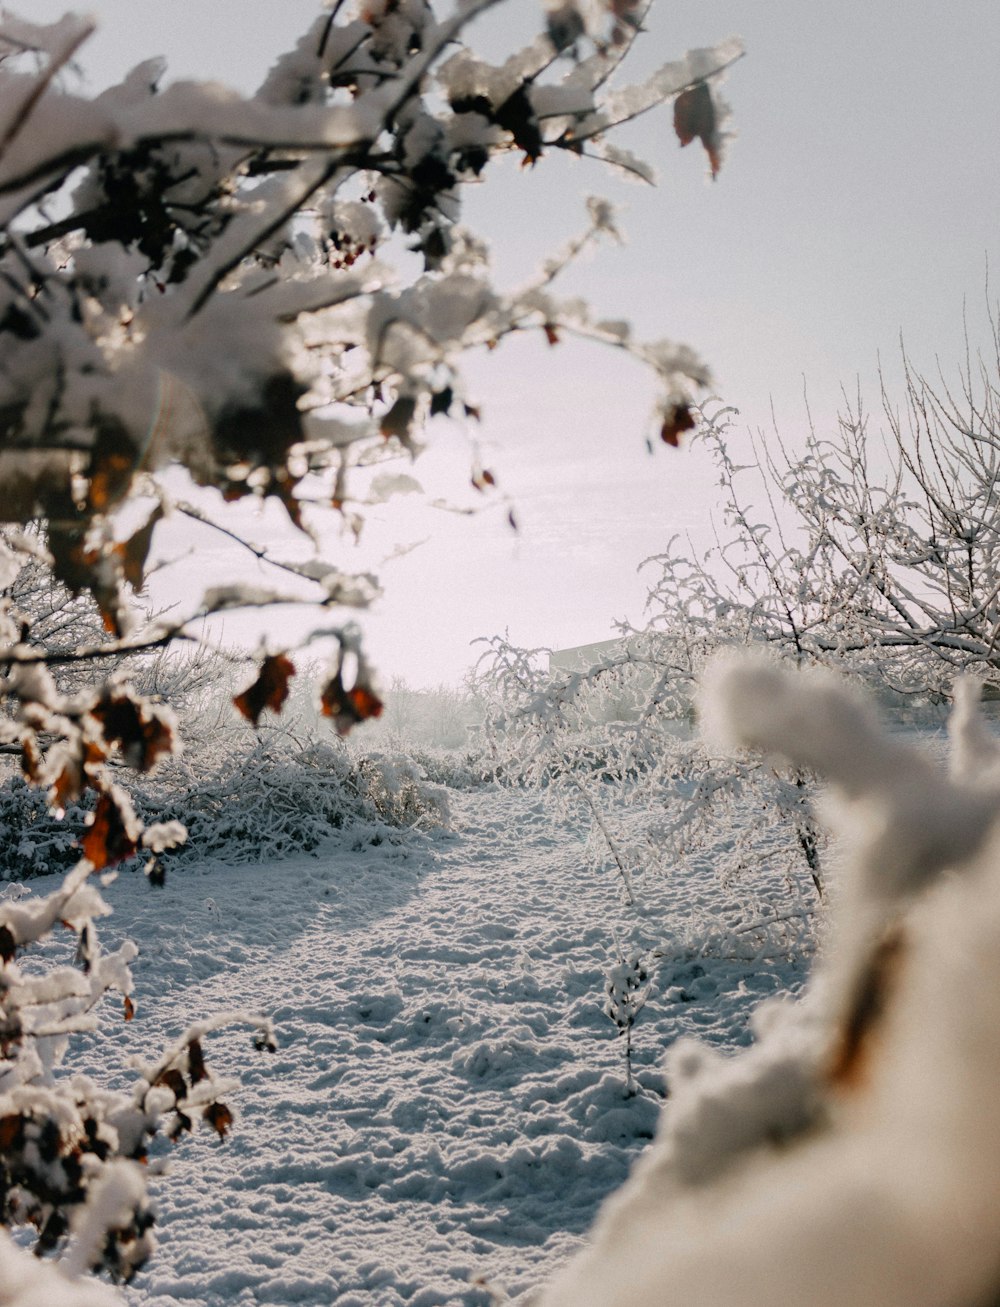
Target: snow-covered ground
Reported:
[(447, 1098)]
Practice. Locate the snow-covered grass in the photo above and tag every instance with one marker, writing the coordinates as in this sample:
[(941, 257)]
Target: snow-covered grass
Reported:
[(448, 1099)]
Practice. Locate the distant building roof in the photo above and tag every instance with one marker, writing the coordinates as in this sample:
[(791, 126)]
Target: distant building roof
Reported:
[(581, 656)]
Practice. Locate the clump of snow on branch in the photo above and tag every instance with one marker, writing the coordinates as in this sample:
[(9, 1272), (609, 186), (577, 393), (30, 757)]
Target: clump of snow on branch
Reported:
[(852, 1154)]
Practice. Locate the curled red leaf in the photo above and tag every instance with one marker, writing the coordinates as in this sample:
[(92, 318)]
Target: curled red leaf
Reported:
[(108, 838), (348, 707)]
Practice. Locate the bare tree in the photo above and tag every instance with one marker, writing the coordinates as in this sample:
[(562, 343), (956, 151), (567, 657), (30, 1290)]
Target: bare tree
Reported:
[(875, 549)]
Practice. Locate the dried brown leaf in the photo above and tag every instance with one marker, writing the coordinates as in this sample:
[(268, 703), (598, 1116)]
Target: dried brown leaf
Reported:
[(196, 1062), (135, 550), (695, 116), (676, 420), (858, 1034), (135, 726), (270, 690), (107, 839), (219, 1118)]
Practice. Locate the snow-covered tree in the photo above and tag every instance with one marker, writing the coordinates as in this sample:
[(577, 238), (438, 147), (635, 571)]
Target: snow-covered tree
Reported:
[(874, 548), (268, 291)]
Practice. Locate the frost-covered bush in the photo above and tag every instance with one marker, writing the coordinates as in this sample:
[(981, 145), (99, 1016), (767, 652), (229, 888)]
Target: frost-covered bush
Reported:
[(398, 789), (33, 841), (442, 720), (852, 1154), (874, 549), (260, 800), (613, 744), (455, 769), (269, 799)]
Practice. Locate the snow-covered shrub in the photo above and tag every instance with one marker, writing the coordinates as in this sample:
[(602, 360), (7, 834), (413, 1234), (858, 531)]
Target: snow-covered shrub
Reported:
[(613, 743), (852, 1154), (257, 802), (256, 799), (263, 798), (626, 988), (400, 792), (34, 842), (455, 769)]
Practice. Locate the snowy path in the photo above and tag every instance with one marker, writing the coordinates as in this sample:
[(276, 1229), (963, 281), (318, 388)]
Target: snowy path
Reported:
[(446, 1101)]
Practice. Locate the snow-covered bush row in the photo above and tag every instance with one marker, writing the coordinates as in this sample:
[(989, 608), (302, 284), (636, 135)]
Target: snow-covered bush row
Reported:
[(851, 1155), (33, 841), (266, 800)]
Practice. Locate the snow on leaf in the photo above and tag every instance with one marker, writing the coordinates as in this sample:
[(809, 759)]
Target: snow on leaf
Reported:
[(386, 484), (173, 1080), (162, 835)]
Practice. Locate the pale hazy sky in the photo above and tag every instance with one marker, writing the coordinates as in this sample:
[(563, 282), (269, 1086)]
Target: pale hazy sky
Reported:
[(861, 199)]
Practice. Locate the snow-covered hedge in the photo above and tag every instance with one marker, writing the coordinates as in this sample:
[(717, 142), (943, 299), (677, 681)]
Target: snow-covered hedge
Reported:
[(264, 800)]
